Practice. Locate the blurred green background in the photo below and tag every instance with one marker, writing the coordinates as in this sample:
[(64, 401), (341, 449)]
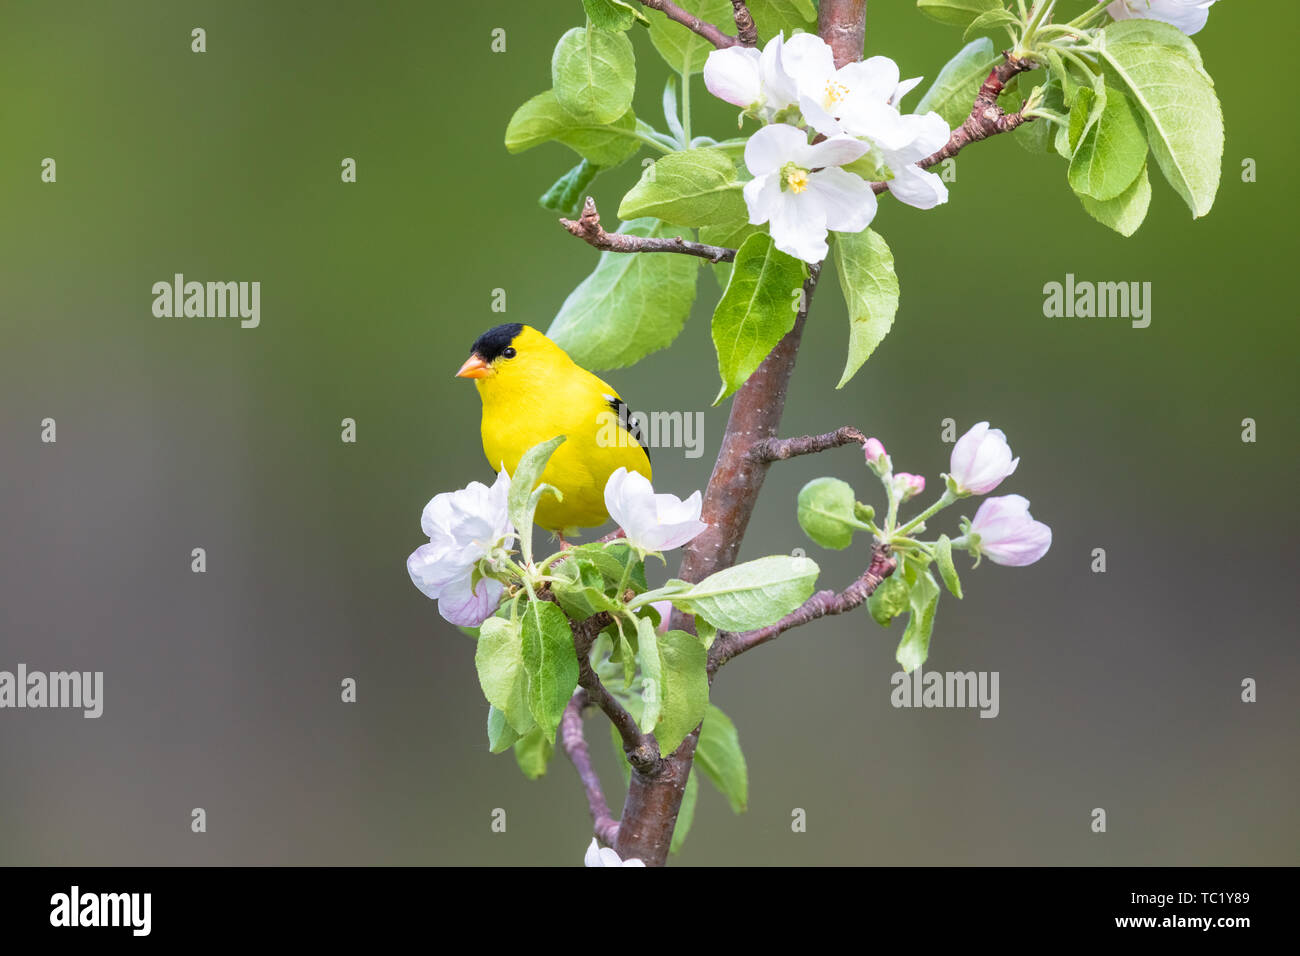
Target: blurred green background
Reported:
[(1118, 690)]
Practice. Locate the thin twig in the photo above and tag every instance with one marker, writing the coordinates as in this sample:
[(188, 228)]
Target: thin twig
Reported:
[(779, 449), (728, 645), (587, 227), (575, 745), (986, 117), (746, 32), (693, 23), (642, 749)]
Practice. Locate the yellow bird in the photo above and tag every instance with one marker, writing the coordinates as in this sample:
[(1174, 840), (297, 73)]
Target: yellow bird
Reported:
[(532, 391)]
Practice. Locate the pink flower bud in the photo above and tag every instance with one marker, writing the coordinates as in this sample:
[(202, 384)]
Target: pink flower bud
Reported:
[(908, 485), (1007, 533), (981, 459), (874, 450)]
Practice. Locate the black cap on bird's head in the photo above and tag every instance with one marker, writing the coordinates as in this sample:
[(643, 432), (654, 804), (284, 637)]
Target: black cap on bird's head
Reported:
[(487, 348)]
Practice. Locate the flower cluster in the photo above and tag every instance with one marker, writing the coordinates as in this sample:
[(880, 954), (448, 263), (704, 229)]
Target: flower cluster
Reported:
[(1002, 530), (467, 561), (820, 119)]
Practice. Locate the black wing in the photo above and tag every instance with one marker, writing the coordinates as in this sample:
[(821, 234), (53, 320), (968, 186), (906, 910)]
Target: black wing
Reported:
[(628, 423)]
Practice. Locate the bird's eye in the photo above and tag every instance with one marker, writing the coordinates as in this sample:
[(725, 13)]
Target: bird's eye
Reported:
[(509, 352)]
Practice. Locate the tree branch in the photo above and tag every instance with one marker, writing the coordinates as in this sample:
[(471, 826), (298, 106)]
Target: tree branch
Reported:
[(575, 745), (746, 32), (986, 117), (779, 449), (693, 23), (587, 227), (728, 645), (843, 25)]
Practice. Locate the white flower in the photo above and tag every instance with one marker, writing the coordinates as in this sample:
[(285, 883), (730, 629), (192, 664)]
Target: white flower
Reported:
[(1007, 534), (651, 522), (603, 856), (463, 528), (903, 143), (756, 82), (1187, 15), (980, 460), (801, 191), (861, 100)]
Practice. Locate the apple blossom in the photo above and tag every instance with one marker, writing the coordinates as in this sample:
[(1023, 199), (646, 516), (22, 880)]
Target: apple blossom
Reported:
[(651, 522), (980, 460), (1004, 531), (756, 82), (861, 99), (464, 527), (598, 855), (908, 486), (801, 191), (874, 450), (1187, 15)]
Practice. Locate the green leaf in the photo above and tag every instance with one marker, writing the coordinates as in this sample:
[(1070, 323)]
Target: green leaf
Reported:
[(1161, 69), (614, 14), (579, 587), (889, 600), (753, 594), (500, 734), (1084, 114), (692, 187), (826, 511), (533, 752), (865, 267), (610, 558), (683, 688), (947, 570), (730, 235), (990, 20), (1038, 136), (652, 679), (782, 16), (682, 49), (952, 93), (1126, 211), (686, 814), (959, 13), (551, 663), (718, 754), (915, 645), (520, 502), (567, 193), (499, 659), (630, 305), (756, 311), (542, 119), (593, 74), (1111, 157)]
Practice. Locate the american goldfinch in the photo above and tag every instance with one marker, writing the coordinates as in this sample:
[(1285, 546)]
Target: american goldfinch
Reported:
[(531, 392)]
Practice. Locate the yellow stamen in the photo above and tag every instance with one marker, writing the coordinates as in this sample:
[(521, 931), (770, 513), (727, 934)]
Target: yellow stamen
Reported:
[(797, 180), (835, 91)]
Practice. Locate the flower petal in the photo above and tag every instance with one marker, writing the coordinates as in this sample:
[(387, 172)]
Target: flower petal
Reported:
[(762, 198), (798, 226), (772, 147), (917, 187), (732, 75), (847, 201), (835, 151), (459, 605)]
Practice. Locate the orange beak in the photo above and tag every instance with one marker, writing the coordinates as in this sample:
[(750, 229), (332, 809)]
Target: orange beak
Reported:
[(474, 367)]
